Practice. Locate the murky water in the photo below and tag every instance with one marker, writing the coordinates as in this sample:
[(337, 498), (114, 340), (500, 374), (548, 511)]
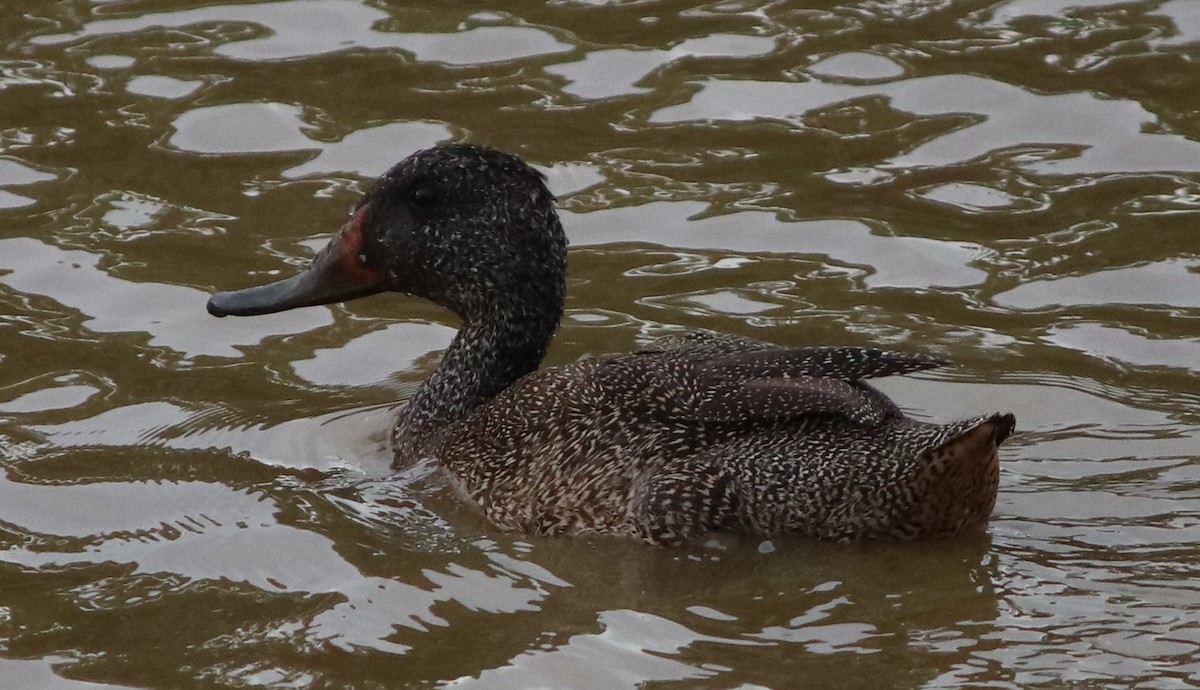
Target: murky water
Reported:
[(189, 502)]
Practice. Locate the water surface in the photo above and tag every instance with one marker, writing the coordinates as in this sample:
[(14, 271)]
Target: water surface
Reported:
[(188, 502)]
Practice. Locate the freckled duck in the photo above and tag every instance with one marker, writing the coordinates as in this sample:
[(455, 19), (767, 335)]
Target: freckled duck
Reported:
[(691, 434)]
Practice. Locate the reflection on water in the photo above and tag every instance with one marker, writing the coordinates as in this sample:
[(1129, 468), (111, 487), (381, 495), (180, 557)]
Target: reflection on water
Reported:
[(261, 127), (1123, 346), (893, 261), (162, 87), (13, 173), (192, 502), (610, 73), (1064, 134), (307, 28), (1171, 282), (74, 279)]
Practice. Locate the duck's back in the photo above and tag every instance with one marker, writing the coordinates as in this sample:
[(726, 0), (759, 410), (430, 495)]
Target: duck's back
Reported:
[(704, 432)]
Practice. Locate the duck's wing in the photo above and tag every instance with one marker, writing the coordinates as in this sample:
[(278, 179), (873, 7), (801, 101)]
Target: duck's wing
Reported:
[(840, 363), (732, 380), (737, 357), (774, 399)]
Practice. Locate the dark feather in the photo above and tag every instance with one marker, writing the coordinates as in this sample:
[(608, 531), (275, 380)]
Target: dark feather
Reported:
[(723, 379), (843, 363)]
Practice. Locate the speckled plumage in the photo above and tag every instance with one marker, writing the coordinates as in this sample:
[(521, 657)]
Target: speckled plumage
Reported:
[(627, 445), (688, 435)]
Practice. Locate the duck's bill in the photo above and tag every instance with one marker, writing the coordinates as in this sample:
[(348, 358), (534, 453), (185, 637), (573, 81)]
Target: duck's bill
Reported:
[(335, 275)]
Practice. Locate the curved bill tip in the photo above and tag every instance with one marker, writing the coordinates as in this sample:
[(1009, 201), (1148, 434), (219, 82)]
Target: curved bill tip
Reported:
[(223, 304), (214, 305)]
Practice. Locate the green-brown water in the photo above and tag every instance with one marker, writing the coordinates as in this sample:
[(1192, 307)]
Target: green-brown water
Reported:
[(188, 502)]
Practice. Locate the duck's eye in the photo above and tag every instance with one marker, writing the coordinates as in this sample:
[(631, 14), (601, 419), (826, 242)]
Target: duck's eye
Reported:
[(424, 197)]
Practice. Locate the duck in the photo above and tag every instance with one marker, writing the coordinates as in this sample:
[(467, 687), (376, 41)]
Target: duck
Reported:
[(691, 434)]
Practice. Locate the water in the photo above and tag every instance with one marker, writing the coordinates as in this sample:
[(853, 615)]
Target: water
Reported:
[(194, 503)]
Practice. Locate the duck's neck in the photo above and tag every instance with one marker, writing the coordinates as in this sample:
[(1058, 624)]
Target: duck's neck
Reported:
[(491, 351)]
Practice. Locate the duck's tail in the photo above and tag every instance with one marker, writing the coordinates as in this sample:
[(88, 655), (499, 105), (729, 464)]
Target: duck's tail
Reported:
[(1004, 423), (977, 435), (958, 481)]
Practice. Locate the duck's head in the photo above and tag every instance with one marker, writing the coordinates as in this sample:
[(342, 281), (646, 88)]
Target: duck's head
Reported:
[(470, 228)]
